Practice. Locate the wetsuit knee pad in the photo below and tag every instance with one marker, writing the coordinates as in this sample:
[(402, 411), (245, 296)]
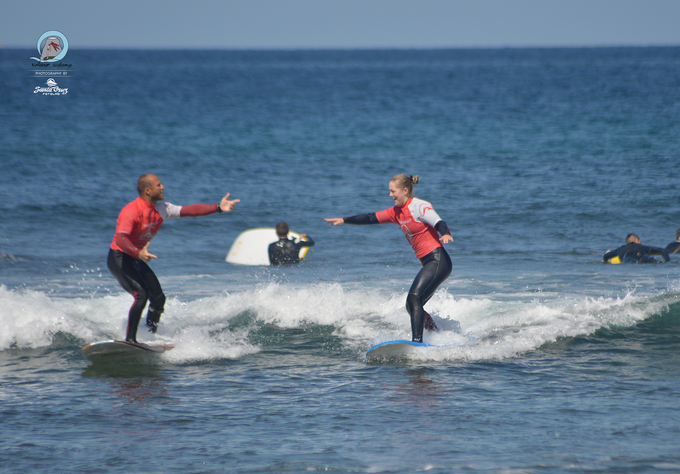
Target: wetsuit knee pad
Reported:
[(141, 297), (413, 303), (157, 303), (153, 315)]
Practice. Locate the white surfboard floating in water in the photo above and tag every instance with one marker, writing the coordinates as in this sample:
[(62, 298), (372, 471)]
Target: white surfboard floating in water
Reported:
[(251, 247), (113, 350)]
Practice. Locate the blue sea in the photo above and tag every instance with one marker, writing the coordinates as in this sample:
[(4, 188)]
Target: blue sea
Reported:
[(539, 161)]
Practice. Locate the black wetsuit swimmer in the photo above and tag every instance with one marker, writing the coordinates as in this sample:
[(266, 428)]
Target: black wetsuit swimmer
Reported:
[(287, 252), (636, 253), (673, 247)]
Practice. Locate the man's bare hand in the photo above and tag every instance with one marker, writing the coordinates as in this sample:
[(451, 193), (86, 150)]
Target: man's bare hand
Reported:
[(226, 205), (144, 254)]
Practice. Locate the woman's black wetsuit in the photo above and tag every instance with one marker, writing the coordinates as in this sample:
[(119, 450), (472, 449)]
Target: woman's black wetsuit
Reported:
[(436, 268)]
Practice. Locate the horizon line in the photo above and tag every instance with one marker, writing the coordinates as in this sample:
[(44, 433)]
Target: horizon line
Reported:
[(357, 48)]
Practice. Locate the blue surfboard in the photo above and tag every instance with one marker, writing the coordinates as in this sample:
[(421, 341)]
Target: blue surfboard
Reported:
[(399, 349)]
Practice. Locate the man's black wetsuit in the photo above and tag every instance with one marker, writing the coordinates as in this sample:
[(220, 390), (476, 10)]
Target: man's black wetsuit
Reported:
[(637, 253), (287, 252), (673, 247), (137, 278)]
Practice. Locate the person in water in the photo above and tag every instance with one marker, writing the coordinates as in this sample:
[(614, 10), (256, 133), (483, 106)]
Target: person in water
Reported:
[(138, 223), (286, 251), (674, 247), (420, 224), (635, 252)]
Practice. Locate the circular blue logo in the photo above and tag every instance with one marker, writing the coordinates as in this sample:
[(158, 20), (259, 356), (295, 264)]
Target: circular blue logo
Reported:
[(52, 47)]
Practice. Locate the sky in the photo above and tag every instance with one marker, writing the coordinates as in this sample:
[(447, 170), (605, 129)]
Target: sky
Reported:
[(341, 24)]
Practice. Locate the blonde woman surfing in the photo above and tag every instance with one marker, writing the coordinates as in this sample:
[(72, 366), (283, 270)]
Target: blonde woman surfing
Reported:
[(420, 224)]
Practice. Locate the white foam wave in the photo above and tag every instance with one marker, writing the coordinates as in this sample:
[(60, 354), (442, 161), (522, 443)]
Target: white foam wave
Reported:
[(491, 327)]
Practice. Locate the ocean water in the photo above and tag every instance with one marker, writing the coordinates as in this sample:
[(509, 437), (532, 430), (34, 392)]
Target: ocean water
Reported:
[(539, 160)]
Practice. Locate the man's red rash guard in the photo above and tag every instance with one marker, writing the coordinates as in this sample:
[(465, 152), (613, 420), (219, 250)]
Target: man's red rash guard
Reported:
[(139, 221)]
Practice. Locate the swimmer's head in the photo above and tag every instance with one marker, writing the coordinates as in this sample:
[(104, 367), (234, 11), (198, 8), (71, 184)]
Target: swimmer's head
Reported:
[(401, 187), (150, 188), (403, 181), (632, 239), (282, 229)]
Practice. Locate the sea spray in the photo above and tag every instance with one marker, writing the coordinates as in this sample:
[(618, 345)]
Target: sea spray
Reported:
[(490, 327)]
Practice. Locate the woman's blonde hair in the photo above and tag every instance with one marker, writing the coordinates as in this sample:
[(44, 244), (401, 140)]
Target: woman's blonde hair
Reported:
[(404, 181)]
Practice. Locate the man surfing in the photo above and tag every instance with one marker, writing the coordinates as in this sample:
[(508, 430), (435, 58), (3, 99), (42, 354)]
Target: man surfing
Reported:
[(138, 223)]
